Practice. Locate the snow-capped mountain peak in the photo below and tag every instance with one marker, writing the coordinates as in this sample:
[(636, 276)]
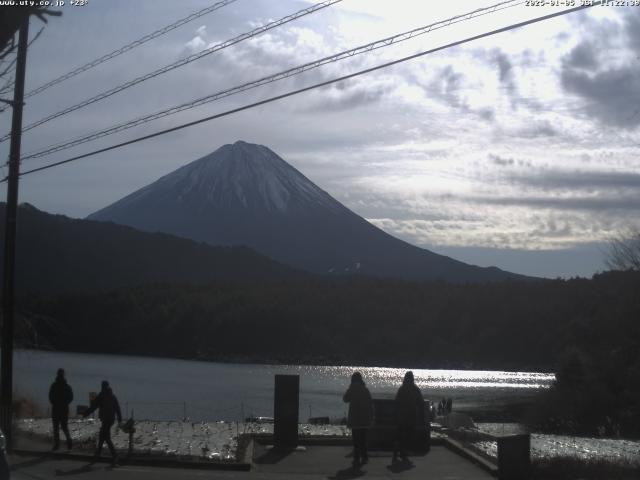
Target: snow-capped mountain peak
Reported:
[(241, 175)]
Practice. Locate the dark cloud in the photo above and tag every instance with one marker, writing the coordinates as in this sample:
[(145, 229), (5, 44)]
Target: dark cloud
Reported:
[(553, 228), (350, 98), (487, 114), (632, 28), (613, 96), (538, 129), (497, 57), (571, 180), (583, 56), (505, 69), (627, 203), (446, 85), (509, 161), (501, 161), (607, 31)]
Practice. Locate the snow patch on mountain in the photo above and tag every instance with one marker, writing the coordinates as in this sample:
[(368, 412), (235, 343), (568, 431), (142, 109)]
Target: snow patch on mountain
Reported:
[(240, 175)]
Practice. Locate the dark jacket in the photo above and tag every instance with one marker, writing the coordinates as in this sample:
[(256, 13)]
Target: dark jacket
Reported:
[(60, 396), (409, 405), (360, 406), (108, 406)]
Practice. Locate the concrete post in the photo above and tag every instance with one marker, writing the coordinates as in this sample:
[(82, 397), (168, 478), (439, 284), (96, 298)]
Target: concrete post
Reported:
[(285, 411), (514, 458)]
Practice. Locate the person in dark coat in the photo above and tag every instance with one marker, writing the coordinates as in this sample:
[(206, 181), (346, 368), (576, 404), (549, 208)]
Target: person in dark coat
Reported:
[(108, 409), (409, 412), (60, 396), (360, 416)]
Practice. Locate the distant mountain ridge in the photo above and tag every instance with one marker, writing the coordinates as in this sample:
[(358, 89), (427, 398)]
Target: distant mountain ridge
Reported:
[(245, 194), (57, 253)]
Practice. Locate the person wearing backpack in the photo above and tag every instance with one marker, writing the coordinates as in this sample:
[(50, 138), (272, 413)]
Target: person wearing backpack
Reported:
[(108, 410)]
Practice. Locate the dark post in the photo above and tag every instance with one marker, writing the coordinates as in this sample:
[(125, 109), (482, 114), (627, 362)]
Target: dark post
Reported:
[(285, 411), (8, 307), (514, 458)]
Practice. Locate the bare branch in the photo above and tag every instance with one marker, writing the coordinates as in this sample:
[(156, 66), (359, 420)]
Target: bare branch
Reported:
[(624, 251)]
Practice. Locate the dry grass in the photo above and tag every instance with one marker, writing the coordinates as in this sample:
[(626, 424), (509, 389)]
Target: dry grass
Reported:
[(25, 408), (569, 468)]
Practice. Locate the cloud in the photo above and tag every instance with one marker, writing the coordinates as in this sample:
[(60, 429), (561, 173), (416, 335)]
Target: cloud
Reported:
[(446, 85), (501, 161), (632, 28), (196, 44), (583, 56), (579, 180), (612, 95), (337, 99), (487, 114), (606, 75), (628, 202), (505, 70), (516, 227), (537, 129)]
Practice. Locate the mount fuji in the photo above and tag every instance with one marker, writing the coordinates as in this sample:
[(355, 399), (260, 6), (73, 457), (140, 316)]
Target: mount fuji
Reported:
[(245, 194)]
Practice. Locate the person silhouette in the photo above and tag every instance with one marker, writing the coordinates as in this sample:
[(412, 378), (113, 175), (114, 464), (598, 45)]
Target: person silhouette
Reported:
[(360, 417), (60, 396), (409, 406), (109, 409)]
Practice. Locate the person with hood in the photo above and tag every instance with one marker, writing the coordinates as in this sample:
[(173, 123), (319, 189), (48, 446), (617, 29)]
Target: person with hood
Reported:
[(108, 409), (409, 412), (360, 416), (60, 396)]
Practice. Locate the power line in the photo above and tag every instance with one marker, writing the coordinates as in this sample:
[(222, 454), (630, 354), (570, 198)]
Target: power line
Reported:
[(6, 88), (11, 82), (182, 62), (129, 46), (273, 78), (312, 87)]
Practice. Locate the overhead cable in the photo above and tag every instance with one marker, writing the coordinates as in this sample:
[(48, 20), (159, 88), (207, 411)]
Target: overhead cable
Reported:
[(129, 46), (180, 63), (9, 71), (312, 87), (385, 42)]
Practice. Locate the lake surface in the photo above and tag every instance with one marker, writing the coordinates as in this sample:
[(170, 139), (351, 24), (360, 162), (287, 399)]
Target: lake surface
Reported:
[(167, 389)]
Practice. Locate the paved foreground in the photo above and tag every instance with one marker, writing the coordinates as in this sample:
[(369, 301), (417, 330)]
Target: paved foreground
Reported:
[(314, 462)]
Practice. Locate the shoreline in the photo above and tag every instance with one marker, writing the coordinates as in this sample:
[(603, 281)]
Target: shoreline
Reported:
[(244, 361)]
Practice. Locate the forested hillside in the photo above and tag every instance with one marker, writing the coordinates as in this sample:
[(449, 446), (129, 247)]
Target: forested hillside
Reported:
[(351, 320)]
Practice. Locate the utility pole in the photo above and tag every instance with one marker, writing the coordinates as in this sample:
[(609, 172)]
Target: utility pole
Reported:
[(8, 287)]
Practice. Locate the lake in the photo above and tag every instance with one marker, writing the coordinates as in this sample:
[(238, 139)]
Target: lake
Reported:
[(168, 389)]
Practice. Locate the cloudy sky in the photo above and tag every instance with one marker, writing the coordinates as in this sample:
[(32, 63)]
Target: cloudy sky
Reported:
[(519, 150)]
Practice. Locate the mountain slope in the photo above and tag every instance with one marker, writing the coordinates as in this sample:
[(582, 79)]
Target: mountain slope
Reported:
[(57, 253), (245, 194)]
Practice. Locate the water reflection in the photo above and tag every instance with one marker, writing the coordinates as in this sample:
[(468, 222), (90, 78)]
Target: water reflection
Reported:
[(168, 389), (391, 377)]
